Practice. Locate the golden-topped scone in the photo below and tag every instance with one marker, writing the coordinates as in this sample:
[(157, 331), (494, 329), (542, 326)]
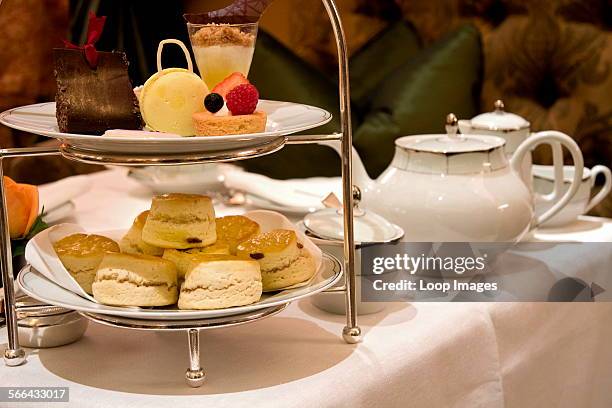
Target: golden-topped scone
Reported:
[(180, 221), (220, 281), (81, 254), (135, 280), (234, 229), (132, 242), (282, 258), (182, 257)]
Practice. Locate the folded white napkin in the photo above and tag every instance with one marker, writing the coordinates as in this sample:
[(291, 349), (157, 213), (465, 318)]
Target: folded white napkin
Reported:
[(298, 193), (54, 195)]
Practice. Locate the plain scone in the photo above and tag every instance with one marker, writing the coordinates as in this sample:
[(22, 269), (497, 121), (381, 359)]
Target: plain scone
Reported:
[(180, 221), (81, 254), (220, 281), (132, 242), (135, 280), (283, 260)]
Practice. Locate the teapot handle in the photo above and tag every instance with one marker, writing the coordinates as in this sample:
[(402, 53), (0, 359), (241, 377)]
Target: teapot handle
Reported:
[(605, 190), (553, 138)]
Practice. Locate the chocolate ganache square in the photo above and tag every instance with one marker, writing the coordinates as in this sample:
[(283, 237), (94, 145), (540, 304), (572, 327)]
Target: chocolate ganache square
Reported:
[(93, 100)]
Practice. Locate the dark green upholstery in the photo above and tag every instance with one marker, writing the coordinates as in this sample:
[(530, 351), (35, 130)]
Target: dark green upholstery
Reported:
[(416, 98), (379, 58), (281, 75), (396, 90)]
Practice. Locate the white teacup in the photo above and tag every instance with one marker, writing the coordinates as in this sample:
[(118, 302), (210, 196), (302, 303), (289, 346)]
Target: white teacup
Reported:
[(581, 203)]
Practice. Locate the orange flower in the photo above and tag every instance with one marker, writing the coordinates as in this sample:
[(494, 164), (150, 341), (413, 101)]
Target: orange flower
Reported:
[(22, 207)]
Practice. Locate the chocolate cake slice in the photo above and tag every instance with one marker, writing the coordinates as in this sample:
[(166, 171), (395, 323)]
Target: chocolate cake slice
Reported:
[(93, 100)]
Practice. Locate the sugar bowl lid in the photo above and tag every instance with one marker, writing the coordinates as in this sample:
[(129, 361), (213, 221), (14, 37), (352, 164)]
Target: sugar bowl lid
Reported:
[(499, 120), (369, 227)]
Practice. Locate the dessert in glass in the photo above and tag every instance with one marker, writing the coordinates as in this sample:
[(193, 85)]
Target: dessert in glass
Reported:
[(222, 49)]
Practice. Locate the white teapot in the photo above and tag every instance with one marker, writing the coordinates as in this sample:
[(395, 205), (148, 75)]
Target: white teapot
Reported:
[(458, 187)]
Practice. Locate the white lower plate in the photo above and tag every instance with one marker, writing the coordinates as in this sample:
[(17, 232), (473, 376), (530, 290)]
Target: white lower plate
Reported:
[(284, 118), (37, 286)]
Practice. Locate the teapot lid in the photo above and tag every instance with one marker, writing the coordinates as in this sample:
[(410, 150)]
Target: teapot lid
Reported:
[(451, 153), (452, 142), (499, 120)]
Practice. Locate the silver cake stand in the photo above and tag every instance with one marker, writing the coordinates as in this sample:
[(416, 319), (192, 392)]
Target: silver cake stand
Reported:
[(15, 356)]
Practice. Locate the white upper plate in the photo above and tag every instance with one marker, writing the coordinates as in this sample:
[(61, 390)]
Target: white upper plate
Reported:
[(284, 118), (34, 284)]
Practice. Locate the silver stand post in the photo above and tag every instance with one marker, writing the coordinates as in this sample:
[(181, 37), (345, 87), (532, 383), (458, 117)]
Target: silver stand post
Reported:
[(13, 355), (351, 332), (194, 376)]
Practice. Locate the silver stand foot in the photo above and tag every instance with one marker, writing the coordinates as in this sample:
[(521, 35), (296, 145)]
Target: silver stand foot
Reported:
[(351, 335), (13, 358), (194, 376)]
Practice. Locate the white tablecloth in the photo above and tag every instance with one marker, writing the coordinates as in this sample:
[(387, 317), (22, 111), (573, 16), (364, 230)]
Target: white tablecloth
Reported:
[(413, 355)]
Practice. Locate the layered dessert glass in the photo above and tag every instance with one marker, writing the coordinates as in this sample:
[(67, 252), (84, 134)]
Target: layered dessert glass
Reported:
[(222, 49)]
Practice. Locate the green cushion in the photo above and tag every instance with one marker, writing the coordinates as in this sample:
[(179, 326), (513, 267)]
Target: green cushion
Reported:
[(281, 75), (380, 57), (416, 98)]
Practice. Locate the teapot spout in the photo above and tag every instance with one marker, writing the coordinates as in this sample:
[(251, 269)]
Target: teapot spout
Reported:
[(360, 175)]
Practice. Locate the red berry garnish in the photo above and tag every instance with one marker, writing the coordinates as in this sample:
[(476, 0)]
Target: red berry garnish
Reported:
[(230, 83), (242, 100)]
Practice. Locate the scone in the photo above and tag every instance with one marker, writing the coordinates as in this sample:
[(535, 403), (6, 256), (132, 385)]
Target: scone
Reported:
[(135, 280), (132, 242), (182, 257), (209, 124), (81, 254), (220, 281), (283, 260), (180, 221), (234, 229)]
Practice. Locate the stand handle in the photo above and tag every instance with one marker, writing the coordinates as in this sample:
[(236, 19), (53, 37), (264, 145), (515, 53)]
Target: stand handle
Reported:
[(351, 332)]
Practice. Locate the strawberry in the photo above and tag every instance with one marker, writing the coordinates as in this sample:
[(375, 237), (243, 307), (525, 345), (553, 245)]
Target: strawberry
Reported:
[(242, 100), (230, 83)]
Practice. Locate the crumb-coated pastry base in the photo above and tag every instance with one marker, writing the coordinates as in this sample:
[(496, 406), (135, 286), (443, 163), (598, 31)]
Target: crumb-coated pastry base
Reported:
[(180, 221), (218, 281), (135, 280), (208, 124), (183, 257), (235, 229), (81, 254), (132, 242)]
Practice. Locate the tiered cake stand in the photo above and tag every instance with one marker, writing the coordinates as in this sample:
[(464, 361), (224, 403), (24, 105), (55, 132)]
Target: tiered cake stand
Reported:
[(14, 355)]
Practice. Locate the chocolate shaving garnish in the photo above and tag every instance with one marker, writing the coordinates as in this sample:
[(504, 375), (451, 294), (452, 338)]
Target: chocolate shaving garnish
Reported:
[(256, 255), (192, 240)]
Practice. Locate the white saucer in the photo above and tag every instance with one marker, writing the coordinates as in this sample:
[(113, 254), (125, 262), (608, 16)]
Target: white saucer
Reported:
[(284, 118)]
